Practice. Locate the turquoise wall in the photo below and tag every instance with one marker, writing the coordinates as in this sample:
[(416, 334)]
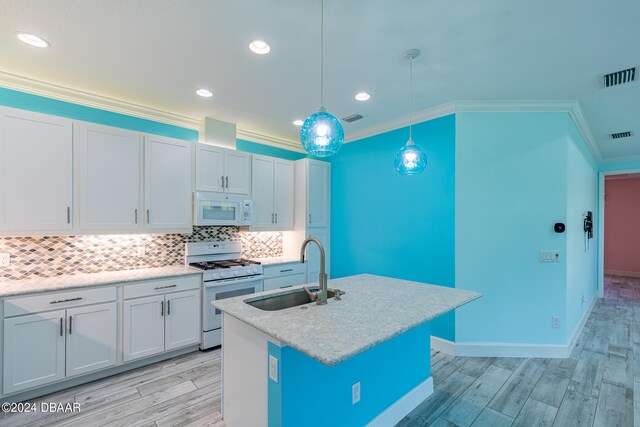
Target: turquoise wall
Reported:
[(40, 104), (311, 394), (392, 225), (510, 189), (582, 185)]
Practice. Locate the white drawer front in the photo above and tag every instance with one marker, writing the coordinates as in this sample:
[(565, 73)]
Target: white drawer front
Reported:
[(57, 300), (163, 286), (279, 270)]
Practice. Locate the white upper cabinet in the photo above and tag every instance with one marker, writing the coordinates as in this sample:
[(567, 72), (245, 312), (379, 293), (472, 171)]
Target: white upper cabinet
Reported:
[(272, 189), (318, 183), (223, 170), (109, 164), (262, 191), (168, 187), (36, 173)]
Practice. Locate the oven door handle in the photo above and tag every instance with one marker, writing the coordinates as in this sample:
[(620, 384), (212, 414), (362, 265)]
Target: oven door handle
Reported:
[(233, 281)]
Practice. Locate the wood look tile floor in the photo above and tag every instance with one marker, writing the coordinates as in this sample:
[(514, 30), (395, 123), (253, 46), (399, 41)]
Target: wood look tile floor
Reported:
[(598, 385)]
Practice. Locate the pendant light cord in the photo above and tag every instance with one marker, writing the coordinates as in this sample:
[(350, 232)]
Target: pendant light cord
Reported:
[(410, 98), (322, 54)]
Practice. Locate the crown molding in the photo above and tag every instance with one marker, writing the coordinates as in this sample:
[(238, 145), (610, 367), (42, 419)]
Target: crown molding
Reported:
[(62, 93), (273, 141)]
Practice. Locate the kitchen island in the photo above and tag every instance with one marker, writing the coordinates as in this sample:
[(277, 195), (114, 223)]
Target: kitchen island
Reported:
[(360, 360)]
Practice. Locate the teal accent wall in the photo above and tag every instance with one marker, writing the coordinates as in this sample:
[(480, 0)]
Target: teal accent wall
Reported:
[(266, 150), (40, 104), (311, 394), (392, 225)]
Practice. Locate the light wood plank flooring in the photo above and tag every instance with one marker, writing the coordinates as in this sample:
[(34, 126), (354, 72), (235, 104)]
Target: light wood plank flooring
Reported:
[(599, 385)]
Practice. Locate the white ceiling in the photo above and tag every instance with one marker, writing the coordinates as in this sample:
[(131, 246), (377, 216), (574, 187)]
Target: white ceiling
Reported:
[(158, 52)]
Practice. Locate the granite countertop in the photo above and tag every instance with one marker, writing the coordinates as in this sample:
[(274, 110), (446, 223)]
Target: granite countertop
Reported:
[(373, 310), (10, 288), (277, 260)]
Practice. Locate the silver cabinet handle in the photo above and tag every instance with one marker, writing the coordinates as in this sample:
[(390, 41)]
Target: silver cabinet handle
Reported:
[(70, 325), (135, 214), (65, 300), (222, 179), (286, 271), (309, 218), (68, 215), (272, 218), (168, 307), (61, 327), (161, 308), (276, 218), (147, 216), (226, 181), (157, 288)]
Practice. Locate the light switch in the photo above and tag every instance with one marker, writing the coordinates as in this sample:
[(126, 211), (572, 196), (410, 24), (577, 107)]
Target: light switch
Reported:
[(273, 368), (549, 256)]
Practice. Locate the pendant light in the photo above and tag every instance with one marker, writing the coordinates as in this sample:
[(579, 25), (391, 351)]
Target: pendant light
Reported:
[(321, 134), (411, 159)]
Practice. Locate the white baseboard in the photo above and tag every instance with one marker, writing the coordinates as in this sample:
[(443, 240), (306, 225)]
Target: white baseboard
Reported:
[(622, 273), (407, 403), (442, 345), (486, 349)]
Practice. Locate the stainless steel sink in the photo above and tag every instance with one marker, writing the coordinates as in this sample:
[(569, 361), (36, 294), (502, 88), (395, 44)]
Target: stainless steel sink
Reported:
[(282, 301)]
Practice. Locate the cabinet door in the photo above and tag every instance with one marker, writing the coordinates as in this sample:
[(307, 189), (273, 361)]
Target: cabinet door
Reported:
[(182, 320), (33, 350), (238, 171), (209, 168), (91, 338), (36, 172), (109, 166), (143, 327), (167, 184), (313, 254), (262, 192), (283, 193), (318, 182)]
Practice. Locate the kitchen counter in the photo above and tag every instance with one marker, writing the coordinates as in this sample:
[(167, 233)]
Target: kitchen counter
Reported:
[(373, 310), (277, 260), (9, 288)]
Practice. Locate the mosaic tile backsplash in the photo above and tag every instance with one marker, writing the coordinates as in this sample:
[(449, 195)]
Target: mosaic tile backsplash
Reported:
[(53, 256)]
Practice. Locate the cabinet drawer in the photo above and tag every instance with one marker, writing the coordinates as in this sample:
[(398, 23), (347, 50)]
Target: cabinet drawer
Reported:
[(160, 287), (280, 270), (54, 301), (284, 281)]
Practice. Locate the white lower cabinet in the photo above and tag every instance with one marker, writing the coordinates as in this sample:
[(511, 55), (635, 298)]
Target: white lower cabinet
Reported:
[(46, 347), (160, 323), (278, 276)]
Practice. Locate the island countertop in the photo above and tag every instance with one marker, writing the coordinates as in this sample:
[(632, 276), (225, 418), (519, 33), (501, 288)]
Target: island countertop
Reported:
[(373, 310)]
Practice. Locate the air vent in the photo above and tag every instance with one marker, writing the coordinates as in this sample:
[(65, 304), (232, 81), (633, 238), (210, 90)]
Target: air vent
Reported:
[(352, 118), (621, 135), (620, 77)]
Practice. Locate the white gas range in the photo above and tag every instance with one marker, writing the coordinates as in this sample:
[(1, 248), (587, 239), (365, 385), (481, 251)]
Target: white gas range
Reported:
[(226, 275)]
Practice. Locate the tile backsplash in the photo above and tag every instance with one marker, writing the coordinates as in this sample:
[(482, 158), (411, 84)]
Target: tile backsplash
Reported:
[(53, 256)]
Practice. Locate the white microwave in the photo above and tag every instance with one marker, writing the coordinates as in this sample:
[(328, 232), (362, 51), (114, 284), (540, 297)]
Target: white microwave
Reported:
[(211, 208)]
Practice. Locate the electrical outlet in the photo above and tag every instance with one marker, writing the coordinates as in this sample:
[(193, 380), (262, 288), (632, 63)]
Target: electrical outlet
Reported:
[(142, 251), (5, 259), (355, 393), (555, 322), (273, 368)]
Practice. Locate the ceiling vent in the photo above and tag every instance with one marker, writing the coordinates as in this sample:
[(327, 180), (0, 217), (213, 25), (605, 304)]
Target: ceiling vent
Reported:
[(620, 77), (352, 118), (621, 135)]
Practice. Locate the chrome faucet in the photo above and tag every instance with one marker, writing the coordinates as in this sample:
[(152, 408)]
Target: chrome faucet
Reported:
[(322, 280)]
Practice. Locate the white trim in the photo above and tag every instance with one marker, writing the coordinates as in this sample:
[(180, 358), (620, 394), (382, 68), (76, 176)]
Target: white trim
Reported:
[(578, 329), (403, 406), (601, 178), (269, 140), (622, 273), (442, 345)]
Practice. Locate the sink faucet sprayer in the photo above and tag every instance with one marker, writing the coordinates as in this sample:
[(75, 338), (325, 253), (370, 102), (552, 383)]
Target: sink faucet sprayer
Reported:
[(322, 280)]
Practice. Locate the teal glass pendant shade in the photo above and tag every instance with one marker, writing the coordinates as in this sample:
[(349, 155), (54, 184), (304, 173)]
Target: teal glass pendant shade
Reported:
[(322, 134), (411, 159)]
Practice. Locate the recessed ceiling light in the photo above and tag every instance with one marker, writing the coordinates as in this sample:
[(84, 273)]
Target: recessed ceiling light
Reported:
[(260, 47), (32, 40), (298, 122), (363, 96), (205, 93)]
